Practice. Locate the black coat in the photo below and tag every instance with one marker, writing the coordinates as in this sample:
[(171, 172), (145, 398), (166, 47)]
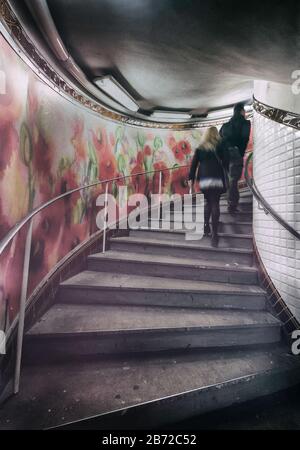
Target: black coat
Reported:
[(236, 132), (206, 168)]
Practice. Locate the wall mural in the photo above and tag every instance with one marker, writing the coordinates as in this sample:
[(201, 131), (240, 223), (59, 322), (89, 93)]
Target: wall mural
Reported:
[(49, 145)]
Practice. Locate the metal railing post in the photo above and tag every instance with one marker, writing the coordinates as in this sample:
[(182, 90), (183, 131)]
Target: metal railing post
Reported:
[(22, 308), (159, 195), (105, 219)]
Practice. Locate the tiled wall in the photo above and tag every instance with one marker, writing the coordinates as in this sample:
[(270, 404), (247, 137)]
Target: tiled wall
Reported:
[(277, 175)]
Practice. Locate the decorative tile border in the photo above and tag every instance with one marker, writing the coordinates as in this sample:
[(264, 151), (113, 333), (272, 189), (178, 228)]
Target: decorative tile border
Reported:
[(278, 115), (20, 38)]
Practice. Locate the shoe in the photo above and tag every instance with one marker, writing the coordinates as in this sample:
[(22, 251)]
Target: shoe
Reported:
[(207, 231), (215, 240)]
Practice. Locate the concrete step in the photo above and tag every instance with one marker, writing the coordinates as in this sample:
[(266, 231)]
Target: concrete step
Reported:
[(171, 267), (185, 249), (229, 228), (72, 330), (127, 289), (245, 204), (145, 391), (225, 217), (226, 240)]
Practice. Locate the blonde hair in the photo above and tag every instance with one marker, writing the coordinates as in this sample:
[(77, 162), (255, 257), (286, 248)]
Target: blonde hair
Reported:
[(210, 138)]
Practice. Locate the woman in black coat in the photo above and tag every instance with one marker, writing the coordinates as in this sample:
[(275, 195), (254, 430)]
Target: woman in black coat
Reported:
[(207, 169)]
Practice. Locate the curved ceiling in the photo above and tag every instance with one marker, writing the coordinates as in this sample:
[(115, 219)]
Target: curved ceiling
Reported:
[(186, 55)]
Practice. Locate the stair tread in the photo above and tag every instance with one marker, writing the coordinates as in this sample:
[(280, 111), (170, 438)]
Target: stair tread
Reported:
[(221, 235), (178, 244), (92, 279), (143, 258), (75, 319), (220, 222), (111, 385)]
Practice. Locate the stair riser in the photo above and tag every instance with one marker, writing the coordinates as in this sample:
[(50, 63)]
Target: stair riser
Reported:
[(62, 347), (230, 228), (225, 242), (212, 300), (191, 252), (243, 206), (181, 272), (224, 217)]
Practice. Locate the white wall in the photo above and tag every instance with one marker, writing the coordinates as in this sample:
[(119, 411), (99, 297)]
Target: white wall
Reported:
[(278, 95), (277, 175)]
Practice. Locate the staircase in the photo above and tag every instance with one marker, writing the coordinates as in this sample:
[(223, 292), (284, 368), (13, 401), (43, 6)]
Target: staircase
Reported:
[(156, 330)]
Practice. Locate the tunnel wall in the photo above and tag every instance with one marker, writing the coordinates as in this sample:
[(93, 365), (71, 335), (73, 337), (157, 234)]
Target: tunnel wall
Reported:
[(49, 145), (277, 175)]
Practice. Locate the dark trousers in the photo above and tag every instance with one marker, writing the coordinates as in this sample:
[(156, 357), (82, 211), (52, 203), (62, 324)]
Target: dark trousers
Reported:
[(233, 194), (212, 209)]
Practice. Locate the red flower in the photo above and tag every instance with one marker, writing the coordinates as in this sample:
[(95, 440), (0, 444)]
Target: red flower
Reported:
[(147, 150), (100, 141), (112, 139), (179, 183), (185, 147), (140, 158), (42, 155), (107, 167), (178, 152), (139, 182), (165, 177), (77, 138)]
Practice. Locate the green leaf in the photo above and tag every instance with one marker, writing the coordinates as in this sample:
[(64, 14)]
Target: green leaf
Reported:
[(121, 163), (25, 145), (141, 139), (158, 143), (119, 133), (92, 154)]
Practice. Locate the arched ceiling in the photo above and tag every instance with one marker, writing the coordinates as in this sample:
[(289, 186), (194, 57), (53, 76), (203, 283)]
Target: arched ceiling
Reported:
[(192, 55)]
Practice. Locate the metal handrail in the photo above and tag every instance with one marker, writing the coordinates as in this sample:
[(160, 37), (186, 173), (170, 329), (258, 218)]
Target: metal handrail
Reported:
[(13, 232), (265, 205), (28, 219)]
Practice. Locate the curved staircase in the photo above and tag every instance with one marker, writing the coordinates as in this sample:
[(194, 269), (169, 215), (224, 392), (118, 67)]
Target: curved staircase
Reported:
[(156, 330)]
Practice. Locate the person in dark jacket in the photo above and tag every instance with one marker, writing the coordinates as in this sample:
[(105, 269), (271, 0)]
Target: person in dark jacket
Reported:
[(235, 136), (207, 168)]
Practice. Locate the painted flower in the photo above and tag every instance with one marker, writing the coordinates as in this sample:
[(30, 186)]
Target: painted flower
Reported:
[(178, 152), (77, 138), (165, 177), (147, 150), (185, 147), (140, 158), (139, 182), (100, 141), (108, 166), (179, 183)]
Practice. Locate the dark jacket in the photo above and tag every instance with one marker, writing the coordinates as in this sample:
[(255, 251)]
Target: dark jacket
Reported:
[(236, 132), (206, 167)]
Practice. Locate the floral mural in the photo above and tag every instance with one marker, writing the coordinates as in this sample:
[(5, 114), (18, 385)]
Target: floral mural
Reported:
[(48, 146)]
